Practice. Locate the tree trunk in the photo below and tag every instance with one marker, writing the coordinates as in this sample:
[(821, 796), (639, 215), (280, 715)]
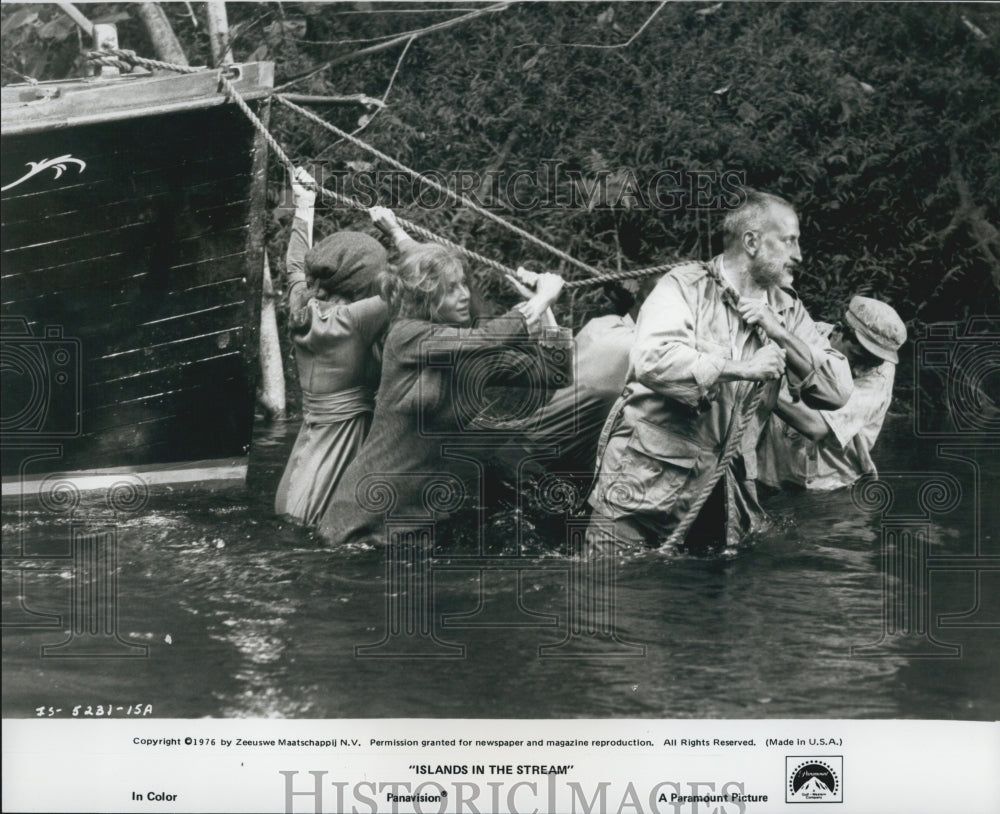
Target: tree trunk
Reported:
[(218, 32), (272, 374), (161, 33), (78, 17)]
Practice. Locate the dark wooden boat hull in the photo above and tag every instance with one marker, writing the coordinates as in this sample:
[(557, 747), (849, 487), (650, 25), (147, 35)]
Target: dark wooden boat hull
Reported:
[(131, 284)]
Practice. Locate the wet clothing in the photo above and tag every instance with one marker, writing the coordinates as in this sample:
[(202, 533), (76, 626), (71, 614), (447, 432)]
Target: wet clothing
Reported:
[(338, 373), (668, 431), (563, 434), (430, 432), (786, 457)]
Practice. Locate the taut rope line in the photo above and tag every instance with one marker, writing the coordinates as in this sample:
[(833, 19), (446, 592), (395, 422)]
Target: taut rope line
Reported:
[(119, 56), (752, 400), (464, 200)]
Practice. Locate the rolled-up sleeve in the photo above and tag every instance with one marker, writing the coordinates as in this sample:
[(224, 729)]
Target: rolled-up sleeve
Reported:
[(666, 357), (866, 407), (828, 384), (299, 242)]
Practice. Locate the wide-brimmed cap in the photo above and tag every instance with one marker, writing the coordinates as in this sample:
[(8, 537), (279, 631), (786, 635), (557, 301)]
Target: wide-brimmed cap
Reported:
[(877, 327), (347, 264)]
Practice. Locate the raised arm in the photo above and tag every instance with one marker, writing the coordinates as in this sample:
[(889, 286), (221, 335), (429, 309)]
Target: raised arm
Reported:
[(299, 242), (385, 219), (821, 375)]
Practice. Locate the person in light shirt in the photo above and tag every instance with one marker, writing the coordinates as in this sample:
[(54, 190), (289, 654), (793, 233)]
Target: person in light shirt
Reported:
[(828, 449), (712, 341)]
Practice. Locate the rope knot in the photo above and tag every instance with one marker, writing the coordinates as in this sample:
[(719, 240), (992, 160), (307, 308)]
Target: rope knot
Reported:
[(124, 61), (231, 72)]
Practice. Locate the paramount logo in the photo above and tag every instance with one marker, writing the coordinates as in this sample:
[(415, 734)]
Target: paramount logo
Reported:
[(814, 779)]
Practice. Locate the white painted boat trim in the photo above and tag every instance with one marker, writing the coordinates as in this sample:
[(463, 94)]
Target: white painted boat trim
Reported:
[(228, 469)]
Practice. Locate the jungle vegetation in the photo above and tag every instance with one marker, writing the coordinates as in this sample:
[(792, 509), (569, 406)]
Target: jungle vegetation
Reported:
[(628, 125)]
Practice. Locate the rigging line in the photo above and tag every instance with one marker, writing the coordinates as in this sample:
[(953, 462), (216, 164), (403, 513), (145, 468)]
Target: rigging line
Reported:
[(402, 11), (389, 43), (625, 44), (134, 59), (617, 276), (344, 200), (366, 120), (395, 71), (399, 37), (460, 199)]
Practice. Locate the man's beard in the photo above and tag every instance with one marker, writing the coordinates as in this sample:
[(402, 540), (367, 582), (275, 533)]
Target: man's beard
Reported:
[(769, 273)]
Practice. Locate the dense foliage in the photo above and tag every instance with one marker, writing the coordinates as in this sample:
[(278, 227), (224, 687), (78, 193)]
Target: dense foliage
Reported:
[(878, 120)]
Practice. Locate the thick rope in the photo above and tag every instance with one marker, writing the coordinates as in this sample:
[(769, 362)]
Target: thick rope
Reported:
[(464, 200), (133, 58), (746, 411), (121, 57), (615, 276), (112, 61)]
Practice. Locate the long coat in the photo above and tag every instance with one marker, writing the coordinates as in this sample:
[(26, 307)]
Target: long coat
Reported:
[(432, 428), (338, 373), (665, 441)]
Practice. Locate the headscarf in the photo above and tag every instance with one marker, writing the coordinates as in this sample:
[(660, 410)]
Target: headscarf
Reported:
[(346, 264)]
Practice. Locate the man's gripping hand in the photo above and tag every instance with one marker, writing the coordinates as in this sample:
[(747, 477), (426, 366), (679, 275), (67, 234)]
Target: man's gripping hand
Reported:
[(766, 364), (758, 312)]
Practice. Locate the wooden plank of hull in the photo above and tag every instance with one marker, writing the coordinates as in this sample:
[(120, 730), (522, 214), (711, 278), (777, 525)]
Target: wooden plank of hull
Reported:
[(93, 274), (142, 291), (51, 106), (62, 230), (137, 201)]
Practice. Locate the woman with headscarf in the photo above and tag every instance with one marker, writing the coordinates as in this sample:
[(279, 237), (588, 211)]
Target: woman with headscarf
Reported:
[(428, 435), (335, 318)]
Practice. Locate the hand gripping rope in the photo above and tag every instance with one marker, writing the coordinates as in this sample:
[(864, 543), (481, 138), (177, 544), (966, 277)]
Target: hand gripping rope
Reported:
[(120, 57), (741, 417)]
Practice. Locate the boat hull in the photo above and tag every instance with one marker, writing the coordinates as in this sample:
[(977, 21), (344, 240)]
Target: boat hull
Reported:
[(131, 281)]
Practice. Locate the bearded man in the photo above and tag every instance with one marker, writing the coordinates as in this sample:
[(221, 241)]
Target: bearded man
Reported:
[(708, 337)]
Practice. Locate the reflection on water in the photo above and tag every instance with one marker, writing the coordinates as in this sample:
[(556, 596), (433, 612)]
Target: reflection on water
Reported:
[(244, 615)]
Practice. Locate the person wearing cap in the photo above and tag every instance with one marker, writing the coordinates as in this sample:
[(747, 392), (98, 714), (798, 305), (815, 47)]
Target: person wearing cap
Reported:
[(828, 449), (335, 319)]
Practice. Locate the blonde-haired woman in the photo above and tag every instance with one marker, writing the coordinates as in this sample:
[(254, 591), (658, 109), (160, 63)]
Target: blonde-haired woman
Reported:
[(433, 369)]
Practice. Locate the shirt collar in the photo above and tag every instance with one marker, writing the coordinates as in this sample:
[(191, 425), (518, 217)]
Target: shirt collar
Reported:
[(779, 299)]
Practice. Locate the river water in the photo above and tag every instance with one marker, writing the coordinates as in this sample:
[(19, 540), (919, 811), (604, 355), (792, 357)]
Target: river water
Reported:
[(226, 611)]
